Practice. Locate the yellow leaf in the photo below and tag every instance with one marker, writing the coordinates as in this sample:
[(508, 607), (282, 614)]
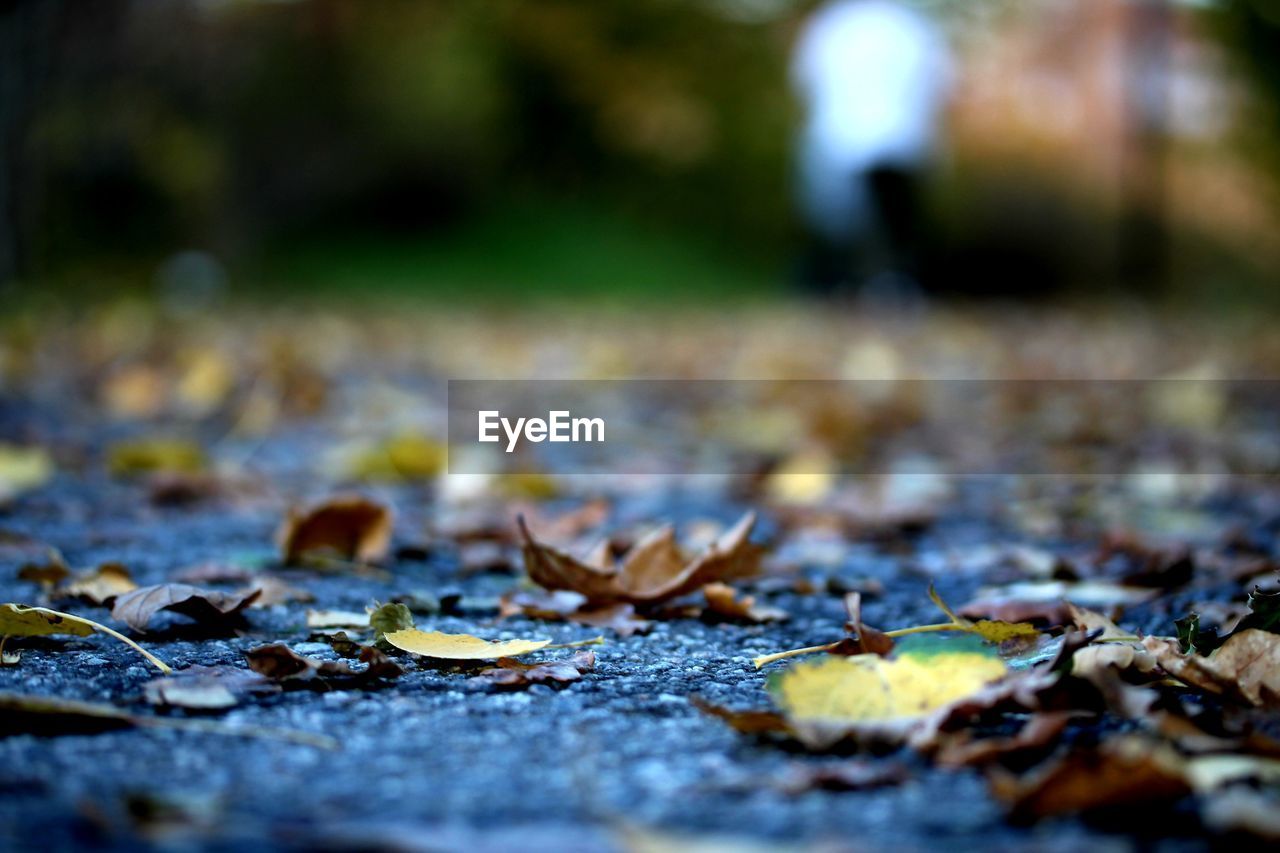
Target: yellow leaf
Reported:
[(404, 457), (145, 457), (19, 620), (872, 689), (22, 469), (433, 644), (991, 630), (994, 631)]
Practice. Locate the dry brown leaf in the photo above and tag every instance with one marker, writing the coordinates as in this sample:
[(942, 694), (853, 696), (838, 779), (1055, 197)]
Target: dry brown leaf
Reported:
[(206, 688), (654, 570), (724, 600), (512, 674), (273, 591), (566, 606), (863, 638), (752, 722), (1090, 621), (48, 574), (351, 527), (1245, 667), (98, 586), (137, 608), (1048, 614), (1040, 734), (278, 662), (1123, 772)]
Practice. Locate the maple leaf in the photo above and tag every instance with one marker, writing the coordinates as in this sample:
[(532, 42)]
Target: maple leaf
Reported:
[(654, 570)]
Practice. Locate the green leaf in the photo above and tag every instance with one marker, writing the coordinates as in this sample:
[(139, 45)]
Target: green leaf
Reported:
[(390, 618)]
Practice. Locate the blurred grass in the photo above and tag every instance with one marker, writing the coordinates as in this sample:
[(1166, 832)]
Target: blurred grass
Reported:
[(525, 252)]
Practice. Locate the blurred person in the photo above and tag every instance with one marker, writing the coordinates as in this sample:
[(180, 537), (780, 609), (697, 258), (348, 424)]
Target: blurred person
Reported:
[(873, 77)]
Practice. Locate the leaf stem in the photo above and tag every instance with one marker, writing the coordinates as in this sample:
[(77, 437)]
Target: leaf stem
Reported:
[(920, 629), (765, 660), (594, 641), (161, 665)]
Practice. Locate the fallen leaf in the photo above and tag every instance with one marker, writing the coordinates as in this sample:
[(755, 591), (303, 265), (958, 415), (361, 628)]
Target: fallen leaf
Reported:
[(1049, 614), (1123, 772), (273, 591), (98, 586), (49, 715), (863, 638), (654, 570), (1084, 593), (23, 469), (403, 457), (280, 663), (993, 631), (877, 698), (724, 600), (19, 620), (389, 618), (351, 527), (511, 673), (206, 688), (1090, 621), (751, 722), (155, 455), (184, 488), (1014, 635), (1133, 563), (337, 619), (1245, 667), (564, 605), (48, 574), (137, 608), (433, 644), (1040, 734)]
